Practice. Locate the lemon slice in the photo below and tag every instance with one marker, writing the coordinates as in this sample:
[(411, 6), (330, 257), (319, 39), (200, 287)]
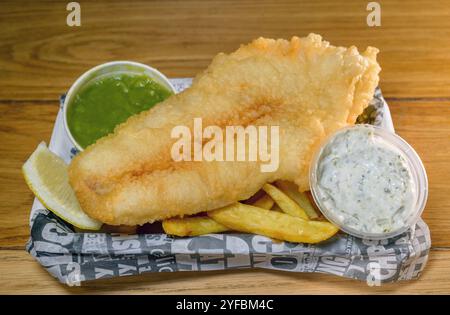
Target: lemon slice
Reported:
[(46, 175)]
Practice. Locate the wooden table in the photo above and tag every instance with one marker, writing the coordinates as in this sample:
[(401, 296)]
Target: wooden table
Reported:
[(40, 56)]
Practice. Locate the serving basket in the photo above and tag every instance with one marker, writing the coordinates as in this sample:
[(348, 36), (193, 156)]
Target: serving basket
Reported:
[(74, 257)]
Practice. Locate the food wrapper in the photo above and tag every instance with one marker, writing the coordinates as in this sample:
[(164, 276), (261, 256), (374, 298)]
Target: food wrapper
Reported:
[(74, 257)]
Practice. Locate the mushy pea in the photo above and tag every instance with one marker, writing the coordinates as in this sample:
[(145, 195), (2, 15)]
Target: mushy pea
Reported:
[(108, 101)]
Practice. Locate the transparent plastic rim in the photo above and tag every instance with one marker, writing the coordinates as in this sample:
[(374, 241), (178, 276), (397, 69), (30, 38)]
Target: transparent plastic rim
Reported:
[(415, 164), (104, 69)]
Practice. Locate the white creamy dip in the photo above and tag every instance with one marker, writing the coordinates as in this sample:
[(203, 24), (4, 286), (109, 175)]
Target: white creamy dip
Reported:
[(365, 183)]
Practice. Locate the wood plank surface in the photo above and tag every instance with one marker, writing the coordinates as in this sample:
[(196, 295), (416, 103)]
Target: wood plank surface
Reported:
[(426, 126), (29, 278), (40, 56)]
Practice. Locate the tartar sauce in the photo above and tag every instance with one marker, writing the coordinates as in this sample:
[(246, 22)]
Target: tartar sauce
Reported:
[(365, 182)]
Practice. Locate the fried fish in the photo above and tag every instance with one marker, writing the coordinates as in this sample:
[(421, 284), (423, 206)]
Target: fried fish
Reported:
[(305, 86)]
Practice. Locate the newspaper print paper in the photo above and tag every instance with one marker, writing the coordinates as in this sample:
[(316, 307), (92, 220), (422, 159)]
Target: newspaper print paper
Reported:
[(76, 257)]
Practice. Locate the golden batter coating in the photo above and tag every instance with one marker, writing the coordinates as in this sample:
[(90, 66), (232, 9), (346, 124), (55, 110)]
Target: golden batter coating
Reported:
[(305, 86)]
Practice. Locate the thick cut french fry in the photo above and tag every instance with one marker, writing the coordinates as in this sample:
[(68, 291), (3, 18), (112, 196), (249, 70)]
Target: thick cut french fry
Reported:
[(265, 202), (250, 219), (291, 190), (286, 204), (192, 226)]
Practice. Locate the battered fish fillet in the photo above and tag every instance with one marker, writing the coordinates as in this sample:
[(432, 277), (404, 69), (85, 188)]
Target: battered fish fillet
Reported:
[(305, 86)]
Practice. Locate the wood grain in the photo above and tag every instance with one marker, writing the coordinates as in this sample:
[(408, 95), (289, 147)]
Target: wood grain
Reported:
[(30, 278), (22, 127), (426, 126), (41, 56)]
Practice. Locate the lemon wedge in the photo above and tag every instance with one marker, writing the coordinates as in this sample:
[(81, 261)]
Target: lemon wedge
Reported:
[(47, 177)]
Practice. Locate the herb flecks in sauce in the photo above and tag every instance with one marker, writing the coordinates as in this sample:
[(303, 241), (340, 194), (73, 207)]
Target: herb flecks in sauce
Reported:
[(365, 182), (108, 101)]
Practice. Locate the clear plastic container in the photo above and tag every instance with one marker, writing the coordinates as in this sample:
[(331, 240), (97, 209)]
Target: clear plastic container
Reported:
[(417, 171)]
